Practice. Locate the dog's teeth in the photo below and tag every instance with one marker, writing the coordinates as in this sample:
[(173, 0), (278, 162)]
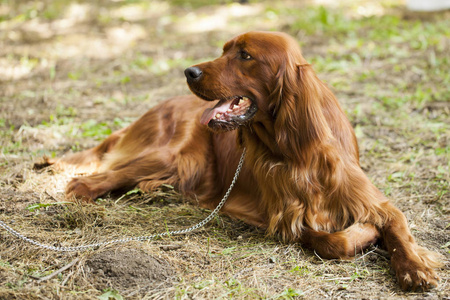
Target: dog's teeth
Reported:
[(241, 101), (245, 98), (217, 116), (229, 110)]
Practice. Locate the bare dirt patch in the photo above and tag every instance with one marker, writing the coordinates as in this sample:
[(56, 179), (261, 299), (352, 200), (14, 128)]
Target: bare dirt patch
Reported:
[(127, 270)]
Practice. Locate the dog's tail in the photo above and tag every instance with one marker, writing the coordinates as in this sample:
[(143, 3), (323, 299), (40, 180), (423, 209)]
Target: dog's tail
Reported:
[(84, 162)]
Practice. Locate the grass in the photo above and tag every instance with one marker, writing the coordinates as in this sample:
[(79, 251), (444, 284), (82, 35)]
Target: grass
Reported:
[(64, 88)]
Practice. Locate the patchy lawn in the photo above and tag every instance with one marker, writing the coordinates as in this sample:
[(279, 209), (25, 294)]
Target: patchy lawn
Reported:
[(71, 72)]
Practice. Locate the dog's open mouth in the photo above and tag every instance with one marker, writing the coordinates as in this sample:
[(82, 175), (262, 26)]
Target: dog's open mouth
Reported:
[(229, 113)]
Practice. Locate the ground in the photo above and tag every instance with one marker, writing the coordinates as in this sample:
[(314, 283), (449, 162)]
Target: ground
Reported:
[(73, 71)]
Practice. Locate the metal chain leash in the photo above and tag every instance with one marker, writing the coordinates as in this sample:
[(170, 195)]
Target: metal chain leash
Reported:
[(129, 239)]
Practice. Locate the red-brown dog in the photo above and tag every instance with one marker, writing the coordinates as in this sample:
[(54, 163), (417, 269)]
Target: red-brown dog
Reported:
[(301, 178)]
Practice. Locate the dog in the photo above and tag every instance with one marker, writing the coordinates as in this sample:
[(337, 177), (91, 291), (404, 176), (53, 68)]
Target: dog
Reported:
[(301, 179)]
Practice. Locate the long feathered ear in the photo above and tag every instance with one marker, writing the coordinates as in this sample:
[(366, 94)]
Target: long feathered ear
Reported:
[(300, 124)]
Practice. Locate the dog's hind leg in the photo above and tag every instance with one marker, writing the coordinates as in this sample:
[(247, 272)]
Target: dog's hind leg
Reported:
[(127, 173)]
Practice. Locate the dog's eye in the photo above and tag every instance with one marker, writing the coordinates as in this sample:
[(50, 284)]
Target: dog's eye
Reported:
[(244, 55)]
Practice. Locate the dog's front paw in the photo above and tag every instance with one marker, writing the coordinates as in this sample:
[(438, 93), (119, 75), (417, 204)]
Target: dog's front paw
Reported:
[(413, 274)]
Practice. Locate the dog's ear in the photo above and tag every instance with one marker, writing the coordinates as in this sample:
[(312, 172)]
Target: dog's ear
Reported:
[(300, 123)]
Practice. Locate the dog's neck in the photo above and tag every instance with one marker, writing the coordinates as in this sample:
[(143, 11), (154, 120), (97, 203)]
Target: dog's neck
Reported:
[(260, 133)]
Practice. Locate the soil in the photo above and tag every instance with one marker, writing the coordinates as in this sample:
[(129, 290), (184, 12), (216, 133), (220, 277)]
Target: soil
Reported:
[(127, 269)]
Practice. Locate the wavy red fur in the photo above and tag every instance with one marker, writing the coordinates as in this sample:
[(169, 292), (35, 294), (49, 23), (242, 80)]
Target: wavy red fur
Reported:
[(301, 179)]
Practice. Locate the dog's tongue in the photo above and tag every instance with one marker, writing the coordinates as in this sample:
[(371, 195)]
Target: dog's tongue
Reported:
[(209, 113)]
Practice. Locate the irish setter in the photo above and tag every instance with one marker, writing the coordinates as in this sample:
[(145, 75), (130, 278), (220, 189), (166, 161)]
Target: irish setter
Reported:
[(301, 178)]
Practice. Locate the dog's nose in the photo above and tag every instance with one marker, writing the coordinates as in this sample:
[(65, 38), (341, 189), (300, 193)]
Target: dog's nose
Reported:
[(193, 73)]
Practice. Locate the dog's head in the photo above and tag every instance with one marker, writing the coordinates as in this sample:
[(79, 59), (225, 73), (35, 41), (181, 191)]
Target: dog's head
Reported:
[(247, 80), (262, 80)]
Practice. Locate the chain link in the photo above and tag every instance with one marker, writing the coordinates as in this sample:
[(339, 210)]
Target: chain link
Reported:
[(129, 239)]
